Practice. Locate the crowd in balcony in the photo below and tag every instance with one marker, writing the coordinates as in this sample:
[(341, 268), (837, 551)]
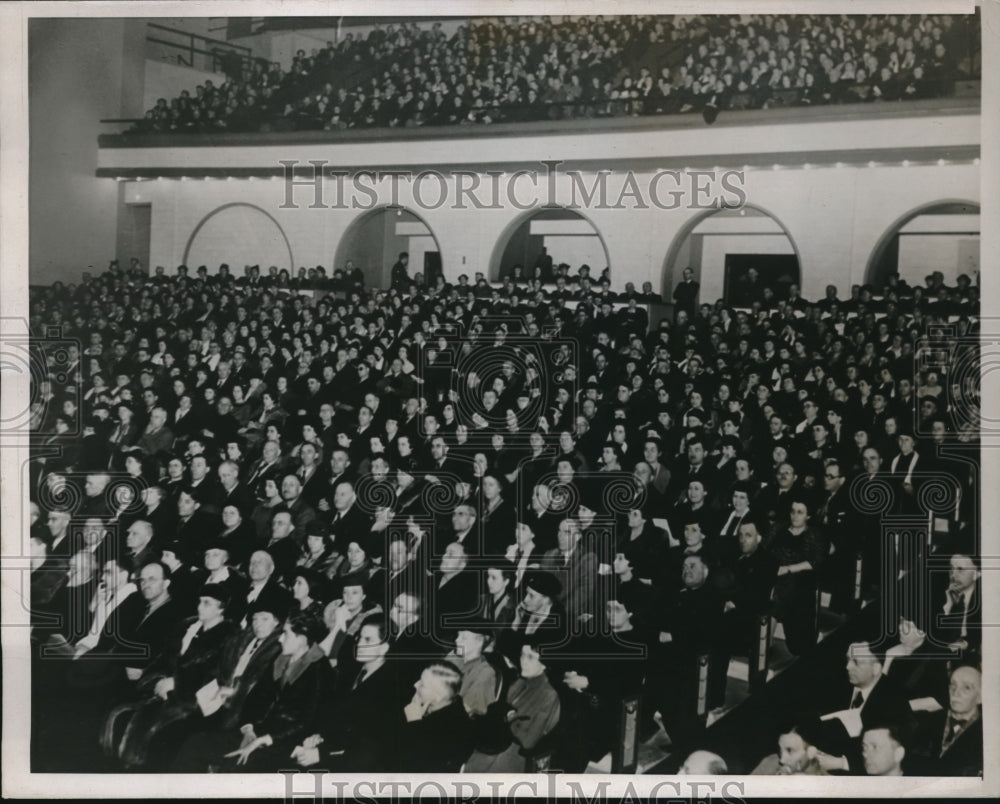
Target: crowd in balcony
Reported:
[(495, 70)]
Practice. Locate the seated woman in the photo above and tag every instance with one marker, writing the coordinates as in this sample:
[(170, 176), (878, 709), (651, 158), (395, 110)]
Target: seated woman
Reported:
[(239, 537), (168, 686), (318, 554), (799, 549), (497, 605), (530, 710), (480, 682), (269, 494), (343, 618), (307, 594)]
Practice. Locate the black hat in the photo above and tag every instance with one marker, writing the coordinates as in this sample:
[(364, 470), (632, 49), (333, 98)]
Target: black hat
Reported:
[(217, 591), (317, 527), (276, 604), (545, 583), (216, 544)]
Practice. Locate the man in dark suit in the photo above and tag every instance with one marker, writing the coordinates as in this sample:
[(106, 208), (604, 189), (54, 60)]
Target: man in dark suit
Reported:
[(231, 492), (264, 593), (950, 740), (455, 594), (957, 621), (361, 713), (312, 475), (745, 584), (409, 645), (687, 621), (576, 567), (348, 519), (151, 622), (194, 527), (871, 701)]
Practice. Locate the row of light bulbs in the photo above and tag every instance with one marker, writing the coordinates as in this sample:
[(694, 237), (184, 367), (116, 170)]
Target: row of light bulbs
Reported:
[(775, 166)]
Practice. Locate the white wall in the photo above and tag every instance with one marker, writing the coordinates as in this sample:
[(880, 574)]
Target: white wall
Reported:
[(952, 254), (835, 216), (80, 72), (577, 250)]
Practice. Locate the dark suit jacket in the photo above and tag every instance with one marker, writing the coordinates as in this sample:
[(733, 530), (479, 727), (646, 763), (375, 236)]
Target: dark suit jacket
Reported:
[(578, 578), (241, 496), (195, 534), (318, 485), (145, 638), (750, 582), (355, 523), (497, 528), (196, 667), (288, 708), (964, 756), (158, 443), (361, 720), (257, 670), (272, 594), (437, 743), (454, 601)]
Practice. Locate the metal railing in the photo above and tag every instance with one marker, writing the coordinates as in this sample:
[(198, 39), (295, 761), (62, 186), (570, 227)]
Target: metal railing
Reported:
[(199, 51)]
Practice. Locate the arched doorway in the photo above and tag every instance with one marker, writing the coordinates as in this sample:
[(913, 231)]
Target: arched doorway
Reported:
[(238, 234), (564, 234), (941, 236), (374, 241), (722, 246)]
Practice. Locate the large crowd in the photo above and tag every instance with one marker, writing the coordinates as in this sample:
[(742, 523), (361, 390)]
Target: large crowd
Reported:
[(494, 70), (425, 528)]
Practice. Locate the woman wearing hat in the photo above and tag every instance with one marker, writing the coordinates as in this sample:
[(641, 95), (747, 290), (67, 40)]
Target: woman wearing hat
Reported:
[(171, 682), (531, 711)]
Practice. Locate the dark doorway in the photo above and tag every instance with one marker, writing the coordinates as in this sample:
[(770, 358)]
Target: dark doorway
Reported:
[(432, 266), (775, 271)]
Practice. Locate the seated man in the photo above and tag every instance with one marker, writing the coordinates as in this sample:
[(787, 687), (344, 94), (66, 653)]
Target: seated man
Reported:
[(873, 700), (362, 712), (799, 752), (703, 763), (950, 742), (883, 749), (688, 620), (435, 731), (957, 619), (284, 712)]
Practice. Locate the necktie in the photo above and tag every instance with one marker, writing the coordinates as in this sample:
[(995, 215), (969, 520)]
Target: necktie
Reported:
[(951, 731), (857, 700), (957, 602), (360, 679)]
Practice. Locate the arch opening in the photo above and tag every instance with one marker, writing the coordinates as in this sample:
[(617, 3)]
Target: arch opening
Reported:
[(940, 236), (238, 234), (542, 239), (722, 247), (374, 241)]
